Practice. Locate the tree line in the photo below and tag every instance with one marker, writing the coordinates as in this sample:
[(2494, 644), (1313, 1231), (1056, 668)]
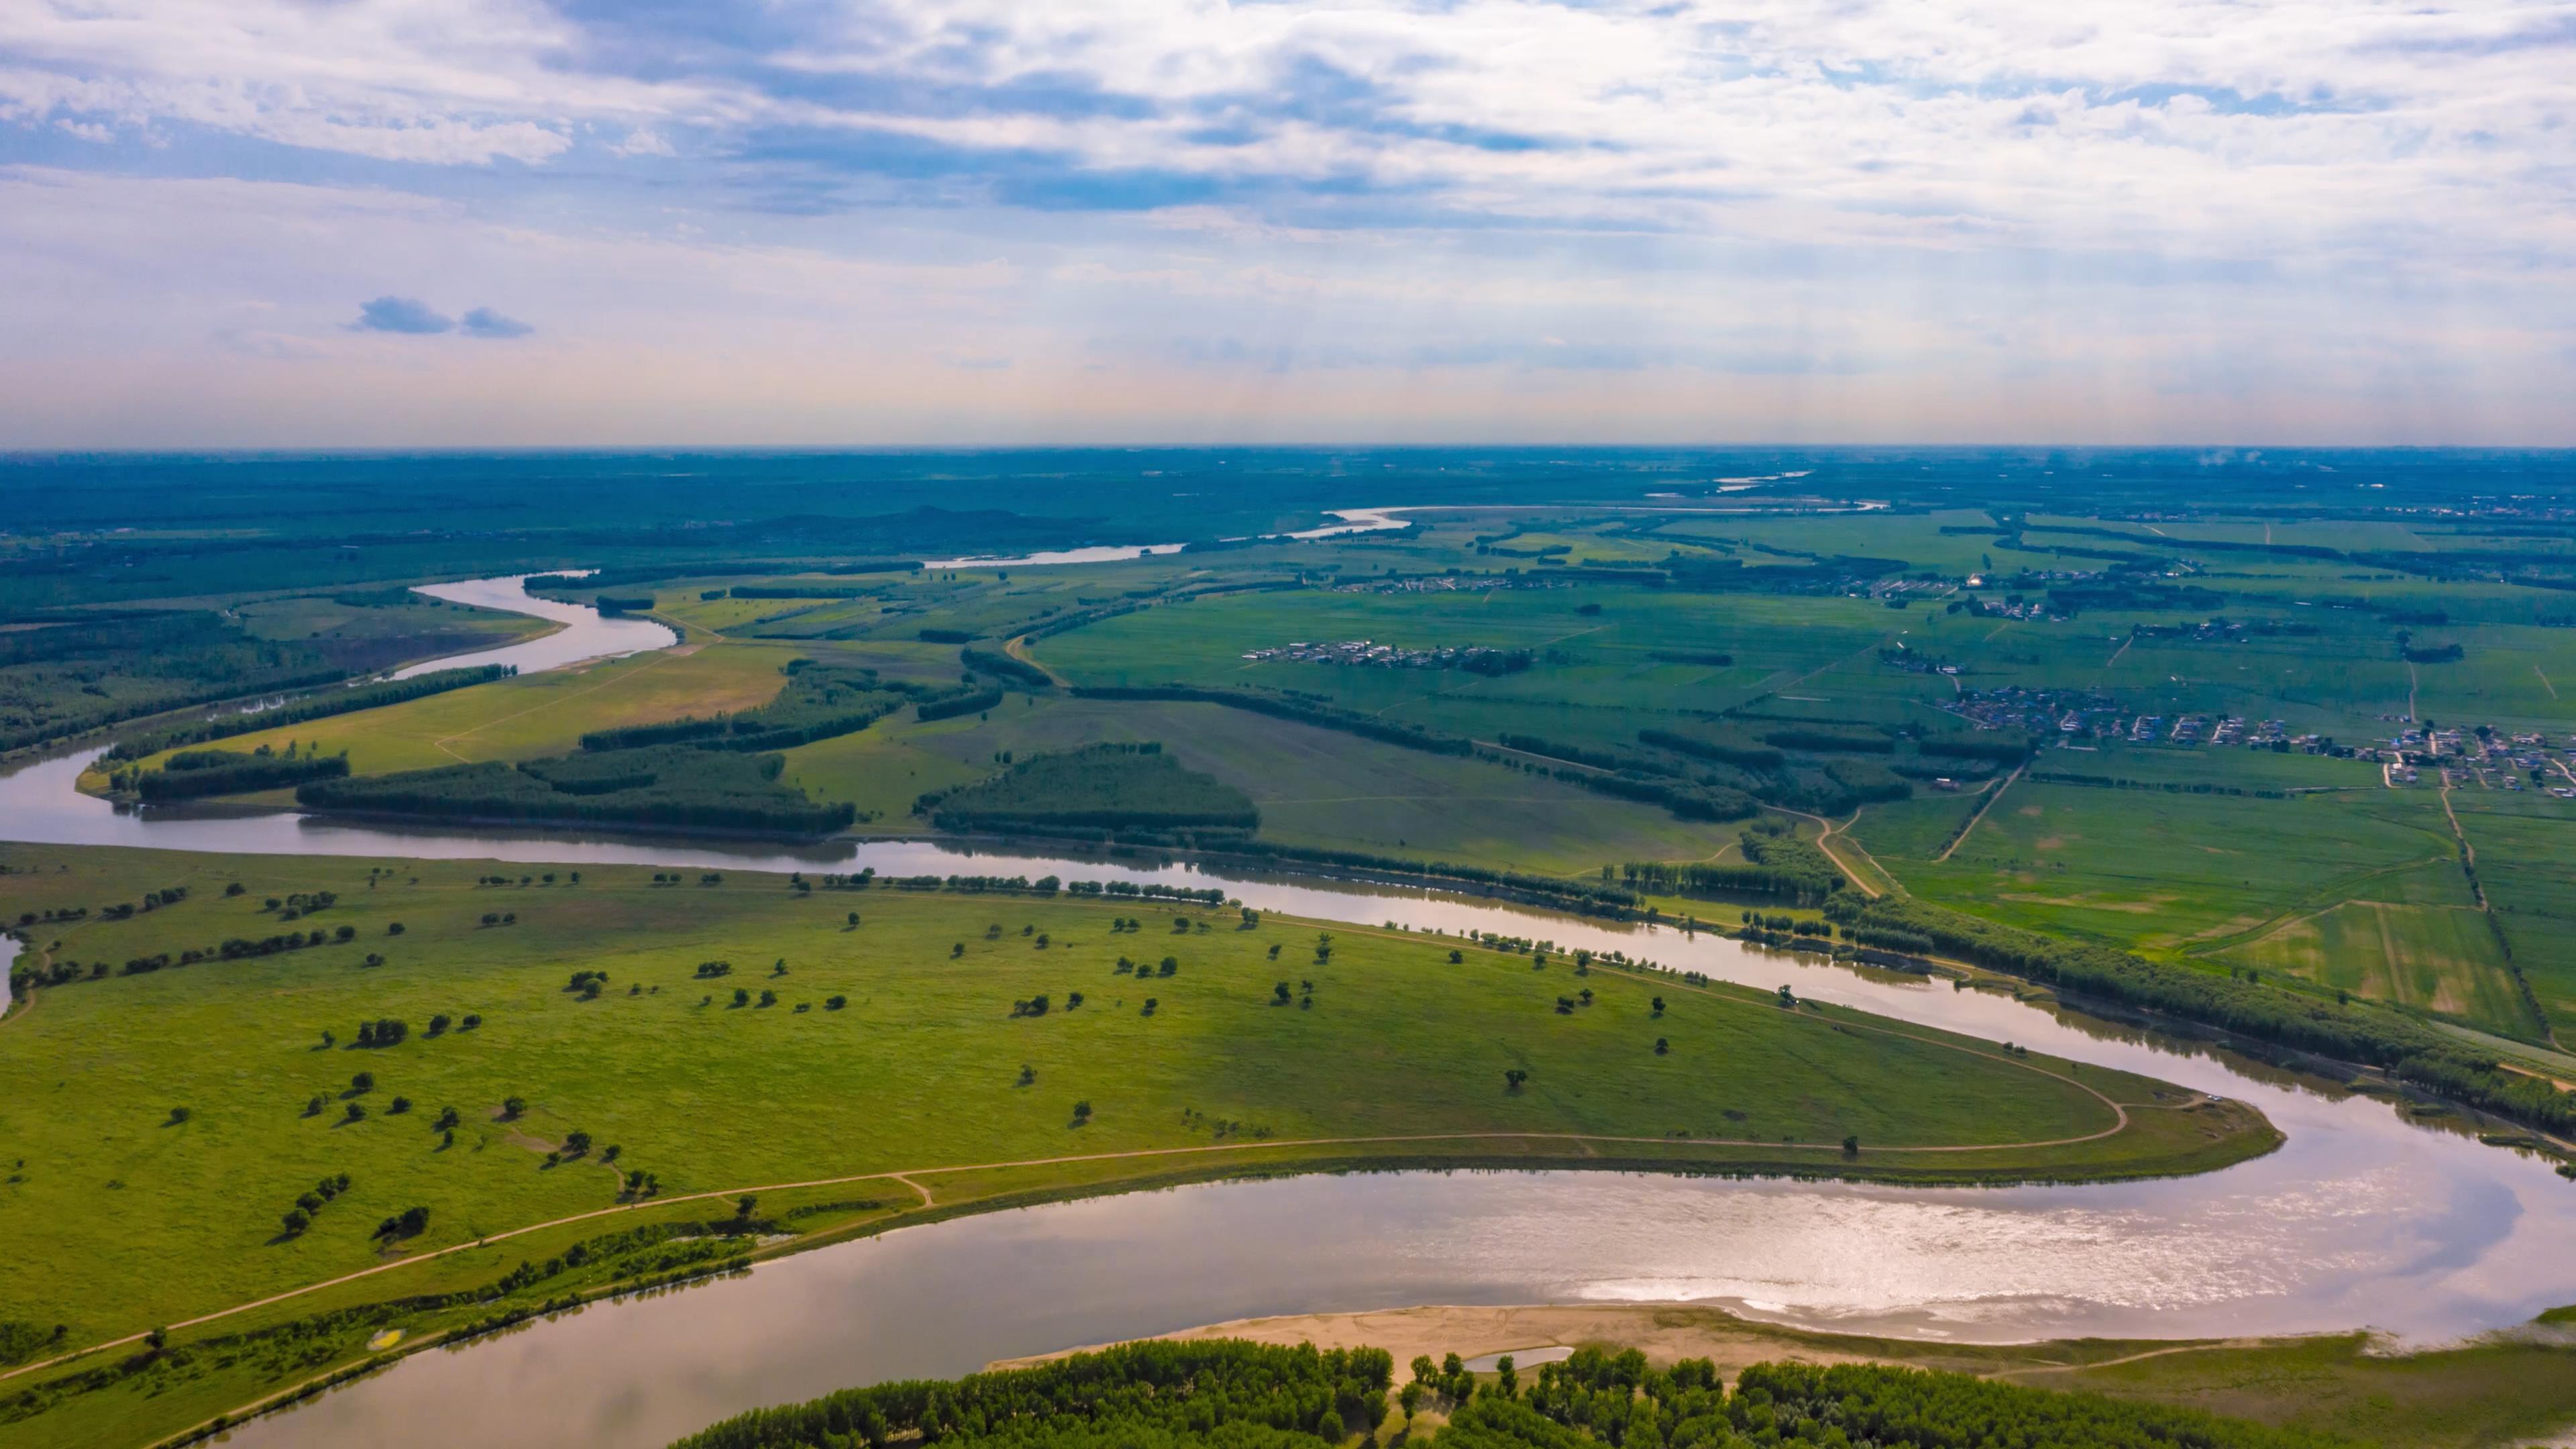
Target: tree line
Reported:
[(198, 774), (1224, 1392), (1231, 1394), (671, 785)]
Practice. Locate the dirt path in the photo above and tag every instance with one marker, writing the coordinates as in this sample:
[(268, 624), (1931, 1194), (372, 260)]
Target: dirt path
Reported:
[(1979, 818), (2468, 852), (2478, 889), (2544, 682), (1018, 648), (1824, 842)]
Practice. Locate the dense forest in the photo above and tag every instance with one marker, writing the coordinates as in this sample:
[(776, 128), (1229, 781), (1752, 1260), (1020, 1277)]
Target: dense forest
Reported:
[(67, 675), (1232, 1394)]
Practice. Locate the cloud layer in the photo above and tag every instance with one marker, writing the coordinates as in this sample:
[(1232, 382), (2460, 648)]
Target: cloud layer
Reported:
[(2184, 219)]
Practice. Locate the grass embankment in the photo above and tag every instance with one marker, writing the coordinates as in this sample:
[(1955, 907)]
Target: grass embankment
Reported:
[(152, 1218), (2512, 1387)]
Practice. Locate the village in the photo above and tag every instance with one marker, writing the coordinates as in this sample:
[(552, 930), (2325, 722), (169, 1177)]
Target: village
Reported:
[(1473, 658)]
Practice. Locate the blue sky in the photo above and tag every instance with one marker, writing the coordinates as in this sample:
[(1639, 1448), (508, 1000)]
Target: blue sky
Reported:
[(463, 222)]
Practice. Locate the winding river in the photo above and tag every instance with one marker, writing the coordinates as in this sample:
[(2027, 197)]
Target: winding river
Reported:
[(2364, 1218)]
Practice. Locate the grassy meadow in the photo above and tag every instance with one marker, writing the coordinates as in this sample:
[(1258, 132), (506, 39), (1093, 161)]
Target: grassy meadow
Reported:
[(921, 1065)]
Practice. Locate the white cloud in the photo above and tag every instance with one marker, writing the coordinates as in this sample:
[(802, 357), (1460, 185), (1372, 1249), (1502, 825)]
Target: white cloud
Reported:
[(2147, 217)]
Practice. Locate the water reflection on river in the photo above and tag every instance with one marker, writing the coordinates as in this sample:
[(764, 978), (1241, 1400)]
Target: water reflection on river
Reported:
[(2288, 1245)]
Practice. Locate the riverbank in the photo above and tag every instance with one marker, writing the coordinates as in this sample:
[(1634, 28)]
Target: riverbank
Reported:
[(2515, 1386)]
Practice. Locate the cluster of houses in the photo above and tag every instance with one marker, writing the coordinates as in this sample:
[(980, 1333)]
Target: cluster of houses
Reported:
[(2479, 755), (2038, 712), (1388, 656)]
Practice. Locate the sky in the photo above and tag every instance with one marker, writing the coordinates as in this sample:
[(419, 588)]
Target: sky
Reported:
[(469, 223)]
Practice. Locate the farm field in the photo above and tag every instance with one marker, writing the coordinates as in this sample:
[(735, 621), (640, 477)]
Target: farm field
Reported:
[(912, 1044), (2523, 861), (2357, 890)]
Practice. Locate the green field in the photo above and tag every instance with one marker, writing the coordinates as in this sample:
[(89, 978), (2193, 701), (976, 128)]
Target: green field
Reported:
[(538, 714), (925, 1065), (1314, 787)]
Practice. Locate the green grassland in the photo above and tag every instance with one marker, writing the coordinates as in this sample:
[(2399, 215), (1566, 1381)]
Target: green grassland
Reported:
[(2355, 890), (2343, 888), (1313, 786), (2515, 1387), (538, 714), (148, 1218)]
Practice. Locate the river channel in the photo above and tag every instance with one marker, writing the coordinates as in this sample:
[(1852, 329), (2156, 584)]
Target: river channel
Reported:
[(2364, 1218)]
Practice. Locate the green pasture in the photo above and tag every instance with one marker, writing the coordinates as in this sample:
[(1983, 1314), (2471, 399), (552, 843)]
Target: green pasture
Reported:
[(150, 1217), (1313, 786), (539, 714)]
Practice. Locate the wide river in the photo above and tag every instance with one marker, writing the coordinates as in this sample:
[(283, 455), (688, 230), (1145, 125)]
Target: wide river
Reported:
[(2363, 1219)]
